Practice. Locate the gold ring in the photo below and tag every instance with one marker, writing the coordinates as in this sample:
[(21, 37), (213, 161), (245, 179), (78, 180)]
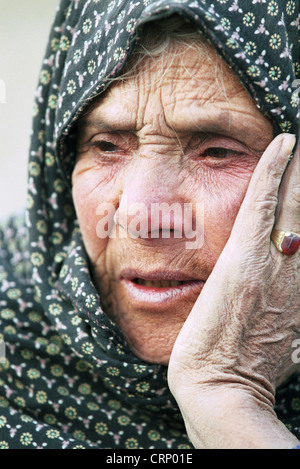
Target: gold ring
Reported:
[(286, 242)]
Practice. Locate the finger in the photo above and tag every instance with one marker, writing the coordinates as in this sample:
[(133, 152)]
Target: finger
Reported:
[(287, 217), (256, 216)]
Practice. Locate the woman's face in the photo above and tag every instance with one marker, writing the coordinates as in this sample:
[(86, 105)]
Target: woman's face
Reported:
[(162, 157)]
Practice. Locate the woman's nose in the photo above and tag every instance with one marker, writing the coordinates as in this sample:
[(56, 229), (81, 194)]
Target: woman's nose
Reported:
[(153, 204)]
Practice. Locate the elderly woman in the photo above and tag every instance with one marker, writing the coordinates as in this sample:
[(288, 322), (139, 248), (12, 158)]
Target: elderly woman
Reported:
[(152, 301)]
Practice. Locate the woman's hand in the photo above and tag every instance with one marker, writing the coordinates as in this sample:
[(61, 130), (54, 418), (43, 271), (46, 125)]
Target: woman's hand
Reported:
[(236, 345)]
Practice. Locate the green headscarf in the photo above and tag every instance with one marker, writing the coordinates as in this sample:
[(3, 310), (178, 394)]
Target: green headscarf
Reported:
[(69, 379)]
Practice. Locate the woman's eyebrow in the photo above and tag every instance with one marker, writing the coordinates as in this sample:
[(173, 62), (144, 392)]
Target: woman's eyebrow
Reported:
[(102, 126), (196, 126)]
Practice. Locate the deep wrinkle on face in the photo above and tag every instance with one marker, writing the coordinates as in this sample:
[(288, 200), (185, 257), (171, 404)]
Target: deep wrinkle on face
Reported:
[(183, 141)]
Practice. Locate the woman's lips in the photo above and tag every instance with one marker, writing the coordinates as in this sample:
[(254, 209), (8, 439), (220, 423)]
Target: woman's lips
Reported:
[(160, 288)]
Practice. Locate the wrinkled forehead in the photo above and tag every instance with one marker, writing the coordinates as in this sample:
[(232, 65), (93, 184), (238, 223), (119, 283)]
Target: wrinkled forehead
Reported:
[(188, 72), (188, 66)]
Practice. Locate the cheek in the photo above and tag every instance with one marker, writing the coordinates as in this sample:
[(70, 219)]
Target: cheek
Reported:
[(90, 194), (86, 213), (222, 196)]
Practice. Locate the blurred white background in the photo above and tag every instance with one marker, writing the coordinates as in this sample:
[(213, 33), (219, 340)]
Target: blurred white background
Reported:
[(24, 30)]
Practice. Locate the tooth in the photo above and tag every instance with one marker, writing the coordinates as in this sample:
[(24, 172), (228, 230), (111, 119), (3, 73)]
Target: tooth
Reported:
[(175, 283), (165, 283), (151, 283)]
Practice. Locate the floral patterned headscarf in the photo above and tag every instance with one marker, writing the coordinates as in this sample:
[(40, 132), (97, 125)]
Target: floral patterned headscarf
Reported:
[(69, 379)]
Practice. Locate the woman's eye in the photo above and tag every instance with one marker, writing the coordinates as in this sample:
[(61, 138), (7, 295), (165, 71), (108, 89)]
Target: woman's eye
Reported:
[(219, 153), (107, 147)]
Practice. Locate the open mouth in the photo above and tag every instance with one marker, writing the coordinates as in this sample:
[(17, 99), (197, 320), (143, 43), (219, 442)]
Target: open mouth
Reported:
[(157, 290), (155, 294), (159, 283)]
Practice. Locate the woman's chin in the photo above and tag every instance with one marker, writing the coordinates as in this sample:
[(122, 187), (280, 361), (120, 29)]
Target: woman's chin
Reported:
[(151, 318), (152, 338)]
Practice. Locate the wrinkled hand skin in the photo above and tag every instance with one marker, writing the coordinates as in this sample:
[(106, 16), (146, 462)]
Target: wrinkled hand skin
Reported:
[(236, 345)]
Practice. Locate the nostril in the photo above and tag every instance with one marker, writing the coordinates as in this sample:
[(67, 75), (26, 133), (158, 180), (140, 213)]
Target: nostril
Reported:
[(165, 234), (159, 220)]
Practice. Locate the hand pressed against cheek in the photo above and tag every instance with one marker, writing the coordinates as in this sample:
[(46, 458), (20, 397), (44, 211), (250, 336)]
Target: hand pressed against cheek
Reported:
[(177, 139)]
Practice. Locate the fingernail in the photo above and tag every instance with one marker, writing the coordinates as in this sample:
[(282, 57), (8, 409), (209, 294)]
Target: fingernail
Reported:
[(288, 144)]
